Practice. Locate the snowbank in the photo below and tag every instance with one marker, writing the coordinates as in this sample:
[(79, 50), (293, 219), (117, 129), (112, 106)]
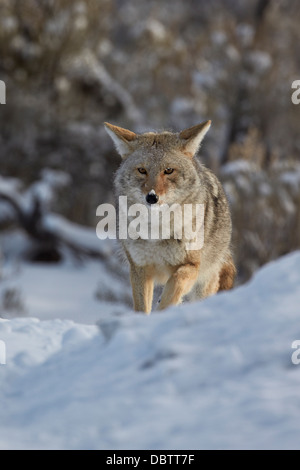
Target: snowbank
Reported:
[(210, 375)]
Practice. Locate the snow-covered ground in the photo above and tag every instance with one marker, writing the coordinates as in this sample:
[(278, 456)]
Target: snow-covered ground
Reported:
[(88, 374)]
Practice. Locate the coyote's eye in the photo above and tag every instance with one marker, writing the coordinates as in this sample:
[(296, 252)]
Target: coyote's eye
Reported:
[(168, 171), (142, 171)]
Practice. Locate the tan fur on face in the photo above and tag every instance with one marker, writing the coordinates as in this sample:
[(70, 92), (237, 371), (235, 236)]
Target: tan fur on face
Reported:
[(161, 184)]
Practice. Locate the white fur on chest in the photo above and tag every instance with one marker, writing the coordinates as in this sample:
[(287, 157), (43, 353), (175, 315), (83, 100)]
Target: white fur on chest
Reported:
[(156, 252)]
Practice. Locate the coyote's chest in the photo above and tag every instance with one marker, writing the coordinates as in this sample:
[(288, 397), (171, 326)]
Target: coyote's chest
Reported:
[(156, 252)]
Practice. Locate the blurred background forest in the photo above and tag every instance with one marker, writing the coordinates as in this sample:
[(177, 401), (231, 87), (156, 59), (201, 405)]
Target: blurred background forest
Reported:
[(147, 65)]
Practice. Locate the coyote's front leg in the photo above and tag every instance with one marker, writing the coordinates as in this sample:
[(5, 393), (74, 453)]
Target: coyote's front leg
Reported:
[(142, 287), (179, 284)]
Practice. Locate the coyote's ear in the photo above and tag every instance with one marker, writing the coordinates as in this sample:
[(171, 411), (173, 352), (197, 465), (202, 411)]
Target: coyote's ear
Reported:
[(193, 137), (122, 138)]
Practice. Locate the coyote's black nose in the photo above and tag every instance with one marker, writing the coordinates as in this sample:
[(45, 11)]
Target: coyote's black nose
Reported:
[(151, 198)]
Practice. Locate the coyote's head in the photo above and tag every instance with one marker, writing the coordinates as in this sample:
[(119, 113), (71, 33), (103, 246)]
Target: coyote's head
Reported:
[(157, 168)]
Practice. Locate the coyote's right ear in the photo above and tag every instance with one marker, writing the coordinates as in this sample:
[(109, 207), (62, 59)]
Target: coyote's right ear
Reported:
[(122, 138)]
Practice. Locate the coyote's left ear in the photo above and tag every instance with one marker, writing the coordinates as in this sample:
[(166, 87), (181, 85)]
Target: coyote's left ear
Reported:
[(191, 138), (122, 138)]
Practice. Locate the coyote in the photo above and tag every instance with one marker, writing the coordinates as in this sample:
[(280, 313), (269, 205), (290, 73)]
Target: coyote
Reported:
[(162, 168)]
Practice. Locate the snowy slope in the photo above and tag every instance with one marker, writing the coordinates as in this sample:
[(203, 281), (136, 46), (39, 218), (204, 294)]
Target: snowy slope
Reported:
[(210, 375)]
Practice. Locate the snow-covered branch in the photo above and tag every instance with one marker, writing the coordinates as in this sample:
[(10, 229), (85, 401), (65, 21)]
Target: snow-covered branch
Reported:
[(30, 209)]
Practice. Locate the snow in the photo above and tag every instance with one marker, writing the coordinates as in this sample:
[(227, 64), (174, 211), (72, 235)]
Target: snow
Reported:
[(291, 178), (216, 374), (75, 289), (261, 61)]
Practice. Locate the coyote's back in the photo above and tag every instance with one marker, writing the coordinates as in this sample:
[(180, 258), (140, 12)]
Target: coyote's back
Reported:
[(160, 170)]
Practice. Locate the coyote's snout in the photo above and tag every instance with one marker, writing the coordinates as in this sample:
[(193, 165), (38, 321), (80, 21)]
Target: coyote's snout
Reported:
[(161, 169)]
